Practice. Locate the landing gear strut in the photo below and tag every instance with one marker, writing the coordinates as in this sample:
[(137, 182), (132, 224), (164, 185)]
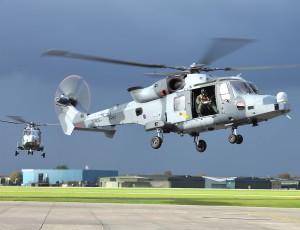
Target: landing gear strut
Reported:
[(157, 140), (235, 138), (200, 144), (42, 150)]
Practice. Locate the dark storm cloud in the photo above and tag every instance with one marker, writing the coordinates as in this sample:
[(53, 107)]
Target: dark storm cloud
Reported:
[(163, 32)]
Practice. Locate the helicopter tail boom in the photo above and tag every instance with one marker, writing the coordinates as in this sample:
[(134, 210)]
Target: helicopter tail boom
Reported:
[(71, 119)]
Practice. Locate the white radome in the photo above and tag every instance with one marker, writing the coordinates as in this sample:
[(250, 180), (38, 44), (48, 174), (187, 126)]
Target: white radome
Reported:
[(282, 97)]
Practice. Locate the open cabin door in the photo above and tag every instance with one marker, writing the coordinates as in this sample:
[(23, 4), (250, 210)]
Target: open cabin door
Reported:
[(209, 109), (178, 107), (227, 101)]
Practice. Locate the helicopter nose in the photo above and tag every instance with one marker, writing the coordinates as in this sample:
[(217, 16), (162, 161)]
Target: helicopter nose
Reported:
[(282, 97)]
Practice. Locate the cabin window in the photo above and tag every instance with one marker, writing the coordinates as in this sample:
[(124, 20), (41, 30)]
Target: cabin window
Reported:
[(179, 103), (224, 92), (139, 111)]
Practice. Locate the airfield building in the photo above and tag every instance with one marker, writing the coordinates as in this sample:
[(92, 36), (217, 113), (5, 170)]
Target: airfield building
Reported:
[(290, 184), (252, 183), (76, 177), (153, 181), (219, 182)]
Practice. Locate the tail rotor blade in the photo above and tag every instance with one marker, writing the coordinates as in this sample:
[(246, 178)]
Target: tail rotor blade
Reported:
[(76, 90)]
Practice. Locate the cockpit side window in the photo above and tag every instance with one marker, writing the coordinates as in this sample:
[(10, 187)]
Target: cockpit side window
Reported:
[(254, 88), (224, 91), (242, 87)]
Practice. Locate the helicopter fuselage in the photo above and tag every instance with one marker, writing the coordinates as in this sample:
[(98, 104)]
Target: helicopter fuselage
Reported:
[(187, 101), (238, 103), (31, 139)]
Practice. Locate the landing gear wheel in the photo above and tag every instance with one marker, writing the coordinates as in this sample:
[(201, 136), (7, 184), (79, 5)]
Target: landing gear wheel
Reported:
[(156, 142), (232, 138), (201, 146), (239, 139), (43, 155), (16, 153)]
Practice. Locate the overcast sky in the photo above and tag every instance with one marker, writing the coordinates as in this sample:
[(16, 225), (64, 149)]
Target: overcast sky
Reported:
[(163, 32)]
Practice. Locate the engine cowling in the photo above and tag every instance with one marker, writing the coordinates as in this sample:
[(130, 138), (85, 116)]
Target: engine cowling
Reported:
[(158, 90)]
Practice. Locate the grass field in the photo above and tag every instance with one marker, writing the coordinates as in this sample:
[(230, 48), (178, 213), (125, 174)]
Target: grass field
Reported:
[(257, 198)]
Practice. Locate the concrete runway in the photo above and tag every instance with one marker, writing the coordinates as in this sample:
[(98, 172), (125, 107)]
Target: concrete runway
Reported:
[(42, 215)]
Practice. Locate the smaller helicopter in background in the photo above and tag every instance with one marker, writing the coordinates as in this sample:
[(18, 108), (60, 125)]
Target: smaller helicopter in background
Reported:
[(31, 136)]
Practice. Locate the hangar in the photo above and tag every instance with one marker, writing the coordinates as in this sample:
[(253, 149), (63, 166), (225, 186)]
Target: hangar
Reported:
[(252, 183), (61, 176), (154, 181), (290, 184), (219, 182)]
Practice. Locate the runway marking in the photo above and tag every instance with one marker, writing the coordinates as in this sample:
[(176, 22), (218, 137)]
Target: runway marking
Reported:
[(95, 216), (274, 217), (46, 216)]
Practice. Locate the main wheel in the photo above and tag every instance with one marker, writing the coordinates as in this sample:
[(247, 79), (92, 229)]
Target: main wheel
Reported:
[(16, 153), (156, 142), (43, 155), (232, 138), (201, 146), (239, 139)]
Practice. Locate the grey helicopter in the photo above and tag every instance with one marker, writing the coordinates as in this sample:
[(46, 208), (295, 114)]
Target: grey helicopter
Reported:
[(172, 104), (31, 135)]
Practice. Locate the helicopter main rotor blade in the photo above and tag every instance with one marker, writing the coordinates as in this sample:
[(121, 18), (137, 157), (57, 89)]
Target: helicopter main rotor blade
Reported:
[(12, 122), (46, 124), (174, 74), (19, 119), (221, 47), (262, 67), (67, 54)]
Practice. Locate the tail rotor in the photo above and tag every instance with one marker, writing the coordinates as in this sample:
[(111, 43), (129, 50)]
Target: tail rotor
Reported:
[(73, 91), (72, 102)]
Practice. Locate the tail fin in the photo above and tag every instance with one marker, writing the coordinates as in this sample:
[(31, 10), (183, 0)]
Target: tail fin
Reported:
[(66, 117)]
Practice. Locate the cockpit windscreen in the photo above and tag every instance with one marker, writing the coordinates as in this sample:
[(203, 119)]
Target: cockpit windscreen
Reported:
[(242, 87)]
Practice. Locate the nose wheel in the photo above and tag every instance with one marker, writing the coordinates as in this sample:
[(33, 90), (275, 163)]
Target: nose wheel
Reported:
[(200, 144), (235, 138), (157, 140)]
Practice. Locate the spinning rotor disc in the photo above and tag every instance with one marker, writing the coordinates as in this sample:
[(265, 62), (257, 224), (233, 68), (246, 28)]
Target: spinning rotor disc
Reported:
[(219, 48), (76, 90)]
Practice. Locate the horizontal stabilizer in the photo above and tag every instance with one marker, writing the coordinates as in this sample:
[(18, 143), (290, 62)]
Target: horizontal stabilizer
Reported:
[(108, 132)]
